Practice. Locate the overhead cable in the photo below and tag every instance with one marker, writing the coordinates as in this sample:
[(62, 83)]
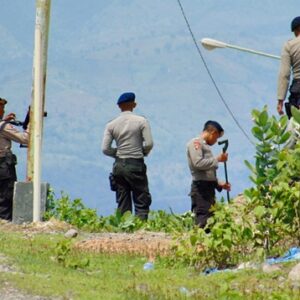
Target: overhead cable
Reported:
[(211, 76)]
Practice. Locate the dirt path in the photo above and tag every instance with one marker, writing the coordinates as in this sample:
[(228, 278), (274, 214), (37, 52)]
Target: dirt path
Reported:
[(7, 291), (149, 244)]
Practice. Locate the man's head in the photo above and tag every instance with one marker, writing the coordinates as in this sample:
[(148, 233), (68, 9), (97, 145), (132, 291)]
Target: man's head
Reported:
[(295, 26), (126, 102), (212, 131), (2, 106)]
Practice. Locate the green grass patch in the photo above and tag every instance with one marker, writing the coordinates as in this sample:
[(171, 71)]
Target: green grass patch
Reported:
[(39, 272)]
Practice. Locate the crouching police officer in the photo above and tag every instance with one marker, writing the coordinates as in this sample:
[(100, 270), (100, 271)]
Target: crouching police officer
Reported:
[(133, 139), (203, 167), (8, 160), (290, 60)]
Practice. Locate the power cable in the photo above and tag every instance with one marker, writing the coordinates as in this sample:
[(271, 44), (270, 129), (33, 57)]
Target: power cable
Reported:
[(211, 76)]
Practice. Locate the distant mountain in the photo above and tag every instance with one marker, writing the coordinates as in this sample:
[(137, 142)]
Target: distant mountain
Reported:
[(98, 49)]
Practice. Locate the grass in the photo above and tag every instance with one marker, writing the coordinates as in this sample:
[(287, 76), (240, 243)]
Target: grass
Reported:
[(122, 277)]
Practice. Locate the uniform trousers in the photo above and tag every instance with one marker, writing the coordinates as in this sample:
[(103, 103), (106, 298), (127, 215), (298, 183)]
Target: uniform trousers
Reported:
[(203, 198), (294, 98), (132, 186), (7, 181)]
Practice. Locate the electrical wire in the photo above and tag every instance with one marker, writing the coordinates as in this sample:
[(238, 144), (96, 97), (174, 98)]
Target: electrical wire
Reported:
[(211, 76)]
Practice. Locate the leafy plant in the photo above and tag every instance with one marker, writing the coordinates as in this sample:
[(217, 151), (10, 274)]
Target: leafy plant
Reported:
[(63, 255), (228, 242), (275, 197), (74, 212), (269, 214), (169, 222)]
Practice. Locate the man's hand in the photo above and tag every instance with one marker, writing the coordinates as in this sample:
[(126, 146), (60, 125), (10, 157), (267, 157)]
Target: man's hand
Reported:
[(9, 117), (225, 186), (222, 157), (280, 107)]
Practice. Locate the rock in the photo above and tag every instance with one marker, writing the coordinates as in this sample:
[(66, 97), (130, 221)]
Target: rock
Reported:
[(71, 233), (294, 274), (143, 287), (247, 265), (270, 268)]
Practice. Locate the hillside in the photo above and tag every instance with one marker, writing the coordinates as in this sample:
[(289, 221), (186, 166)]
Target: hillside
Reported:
[(101, 48)]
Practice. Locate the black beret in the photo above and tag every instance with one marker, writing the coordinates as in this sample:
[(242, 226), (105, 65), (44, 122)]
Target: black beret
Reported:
[(3, 101), (295, 23), (215, 125)]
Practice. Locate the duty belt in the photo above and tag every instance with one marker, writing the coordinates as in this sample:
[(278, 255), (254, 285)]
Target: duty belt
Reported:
[(130, 160)]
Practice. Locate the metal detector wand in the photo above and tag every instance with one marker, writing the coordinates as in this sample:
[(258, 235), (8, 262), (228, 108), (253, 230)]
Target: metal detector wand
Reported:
[(225, 142)]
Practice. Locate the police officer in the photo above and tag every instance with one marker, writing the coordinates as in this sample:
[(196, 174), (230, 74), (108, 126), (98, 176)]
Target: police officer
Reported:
[(133, 139), (203, 166), (8, 160), (290, 60)]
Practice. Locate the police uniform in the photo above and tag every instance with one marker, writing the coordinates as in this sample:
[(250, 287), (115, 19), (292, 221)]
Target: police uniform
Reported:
[(290, 60), (133, 139), (203, 166), (8, 160)]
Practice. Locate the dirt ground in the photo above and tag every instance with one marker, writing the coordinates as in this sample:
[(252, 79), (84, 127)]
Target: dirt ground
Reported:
[(149, 244)]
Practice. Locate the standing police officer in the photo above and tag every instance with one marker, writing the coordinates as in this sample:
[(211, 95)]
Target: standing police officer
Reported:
[(133, 139), (290, 59), (203, 166), (8, 160)]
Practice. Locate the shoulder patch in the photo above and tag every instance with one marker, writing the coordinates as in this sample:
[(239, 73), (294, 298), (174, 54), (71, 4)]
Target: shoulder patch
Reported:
[(3, 124), (197, 144)]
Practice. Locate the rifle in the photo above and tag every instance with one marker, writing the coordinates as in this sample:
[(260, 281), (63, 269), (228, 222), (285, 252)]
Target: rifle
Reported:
[(24, 123)]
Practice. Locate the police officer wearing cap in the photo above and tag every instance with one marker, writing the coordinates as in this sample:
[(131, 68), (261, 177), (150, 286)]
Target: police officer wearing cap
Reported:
[(133, 139), (8, 160), (290, 60), (203, 166)]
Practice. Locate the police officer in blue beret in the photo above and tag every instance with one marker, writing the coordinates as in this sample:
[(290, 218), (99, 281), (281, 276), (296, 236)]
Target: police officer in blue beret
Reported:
[(133, 139), (203, 166), (290, 60)]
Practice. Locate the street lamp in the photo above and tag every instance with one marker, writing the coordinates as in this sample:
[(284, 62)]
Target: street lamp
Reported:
[(211, 44)]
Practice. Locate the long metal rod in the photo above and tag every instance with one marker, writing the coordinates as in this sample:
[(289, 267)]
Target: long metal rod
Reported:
[(226, 178)]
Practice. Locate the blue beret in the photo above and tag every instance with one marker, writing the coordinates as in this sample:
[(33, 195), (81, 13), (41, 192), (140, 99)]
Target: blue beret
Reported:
[(216, 125), (126, 97), (295, 23)]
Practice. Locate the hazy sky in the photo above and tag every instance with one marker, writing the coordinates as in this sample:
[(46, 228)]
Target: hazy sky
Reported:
[(99, 49)]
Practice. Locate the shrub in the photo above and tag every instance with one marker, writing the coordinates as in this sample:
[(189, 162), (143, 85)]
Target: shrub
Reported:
[(270, 213)]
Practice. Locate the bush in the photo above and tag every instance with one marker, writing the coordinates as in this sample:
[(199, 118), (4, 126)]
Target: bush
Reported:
[(269, 215), (75, 213)]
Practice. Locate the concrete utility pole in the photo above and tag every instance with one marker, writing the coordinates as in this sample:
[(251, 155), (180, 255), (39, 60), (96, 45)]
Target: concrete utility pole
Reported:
[(42, 21)]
